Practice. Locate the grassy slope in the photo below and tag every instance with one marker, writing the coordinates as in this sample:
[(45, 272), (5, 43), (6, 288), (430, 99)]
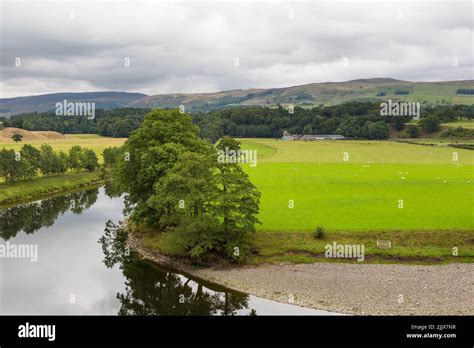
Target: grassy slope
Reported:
[(414, 247), (428, 93), (45, 186)]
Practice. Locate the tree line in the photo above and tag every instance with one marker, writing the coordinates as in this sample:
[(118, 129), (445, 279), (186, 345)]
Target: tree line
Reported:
[(354, 120), (112, 123), (31, 162), (465, 91)]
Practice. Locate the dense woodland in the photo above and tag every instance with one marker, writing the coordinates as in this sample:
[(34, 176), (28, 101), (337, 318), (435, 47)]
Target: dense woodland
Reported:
[(353, 120), (112, 123)]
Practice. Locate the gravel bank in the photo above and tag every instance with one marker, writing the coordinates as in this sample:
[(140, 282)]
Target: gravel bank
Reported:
[(368, 289), (361, 289)]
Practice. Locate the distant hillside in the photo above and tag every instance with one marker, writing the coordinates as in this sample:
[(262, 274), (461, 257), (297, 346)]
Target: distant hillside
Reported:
[(46, 102), (326, 93)]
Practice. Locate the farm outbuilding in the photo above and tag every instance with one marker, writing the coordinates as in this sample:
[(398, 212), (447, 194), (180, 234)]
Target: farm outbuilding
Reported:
[(287, 136)]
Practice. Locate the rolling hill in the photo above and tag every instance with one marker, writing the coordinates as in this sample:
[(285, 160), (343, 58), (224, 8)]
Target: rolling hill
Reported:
[(325, 93), (46, 102)]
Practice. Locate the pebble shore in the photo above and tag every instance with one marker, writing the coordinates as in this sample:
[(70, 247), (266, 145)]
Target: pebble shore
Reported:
[(359, 289)]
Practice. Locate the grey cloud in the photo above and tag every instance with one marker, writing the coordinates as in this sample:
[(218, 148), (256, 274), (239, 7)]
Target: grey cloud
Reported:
[(190, 47)]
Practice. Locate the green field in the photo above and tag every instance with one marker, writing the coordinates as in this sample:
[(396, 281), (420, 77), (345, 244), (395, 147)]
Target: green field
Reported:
[(357, 201), (91, 141), (463, 124), (363, 193)]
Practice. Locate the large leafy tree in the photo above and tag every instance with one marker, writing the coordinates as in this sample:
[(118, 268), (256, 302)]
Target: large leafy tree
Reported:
[(186, 197), (31, 158), (9, 166), (175, 183), (48, 159), (89, 160), (75, 157), (150, 152)]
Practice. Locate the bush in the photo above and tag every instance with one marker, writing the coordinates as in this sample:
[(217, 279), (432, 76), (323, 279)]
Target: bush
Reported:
[(413, 131), (377, 130), (320, 232), (465, 91), (401, 92), (17, 137), (430, 124)]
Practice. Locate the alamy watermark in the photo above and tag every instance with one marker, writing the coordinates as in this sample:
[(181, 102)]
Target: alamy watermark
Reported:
[(400, 109), (66, 108), (238, 156), (19, 251), (37, 331), (347, 251)]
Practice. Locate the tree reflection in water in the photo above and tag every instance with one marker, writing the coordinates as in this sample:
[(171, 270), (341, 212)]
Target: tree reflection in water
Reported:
[(153, 290), (33, 216), (150, 289)]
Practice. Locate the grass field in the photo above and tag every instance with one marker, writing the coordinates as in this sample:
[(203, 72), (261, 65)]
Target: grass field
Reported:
[(464, 124), (91, 141), (364, 192), (357, 201)]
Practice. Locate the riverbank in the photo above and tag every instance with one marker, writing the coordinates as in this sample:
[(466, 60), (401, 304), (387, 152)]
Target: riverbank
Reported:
[(407, 247), (360, 289), (46, 187), (366, 289)]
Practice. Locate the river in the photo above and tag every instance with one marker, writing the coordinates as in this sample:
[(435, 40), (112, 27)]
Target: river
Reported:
[(81, 267)]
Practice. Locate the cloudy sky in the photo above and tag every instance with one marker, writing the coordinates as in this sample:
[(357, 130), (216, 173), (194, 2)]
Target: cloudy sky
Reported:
[(149, 47)]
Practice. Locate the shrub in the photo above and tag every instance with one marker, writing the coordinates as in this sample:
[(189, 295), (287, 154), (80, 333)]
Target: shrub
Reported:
[(17, 137), (413, 131), (320, 232), (401, 92), (430, 124)]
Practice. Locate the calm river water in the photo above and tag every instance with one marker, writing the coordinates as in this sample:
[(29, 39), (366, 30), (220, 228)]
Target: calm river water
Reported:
[(76, 274)]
